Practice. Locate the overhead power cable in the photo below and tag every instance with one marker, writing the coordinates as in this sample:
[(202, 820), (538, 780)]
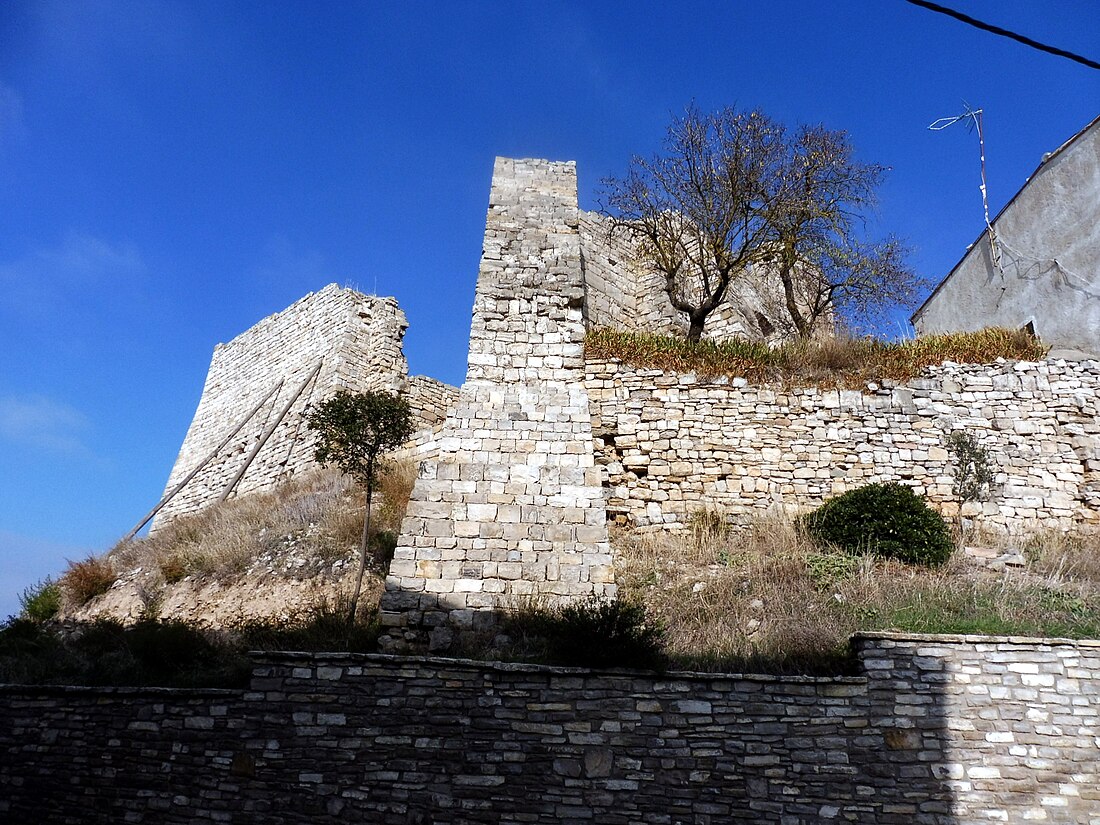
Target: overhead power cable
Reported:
[(1019, 38)]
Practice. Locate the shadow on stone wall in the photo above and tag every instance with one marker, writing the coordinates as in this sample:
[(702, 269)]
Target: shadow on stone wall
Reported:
[(373, 738)]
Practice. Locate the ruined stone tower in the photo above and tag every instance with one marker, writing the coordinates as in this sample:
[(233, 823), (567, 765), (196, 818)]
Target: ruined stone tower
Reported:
[(248, 432), (513, 508)]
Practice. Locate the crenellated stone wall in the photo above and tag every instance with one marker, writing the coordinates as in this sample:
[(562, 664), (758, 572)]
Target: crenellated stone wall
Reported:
[(356, 340), (512, 506), (671, 444), (931, 730)]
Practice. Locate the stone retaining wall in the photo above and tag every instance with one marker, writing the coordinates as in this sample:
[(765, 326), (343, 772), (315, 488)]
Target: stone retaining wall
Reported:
[(672, 444), (932, 731)]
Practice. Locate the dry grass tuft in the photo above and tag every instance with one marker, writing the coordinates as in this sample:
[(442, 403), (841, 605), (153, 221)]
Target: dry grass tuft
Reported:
[(83, 580), (830, 361), (318, 516), (766, 599), (1062, 558), (395, 487)]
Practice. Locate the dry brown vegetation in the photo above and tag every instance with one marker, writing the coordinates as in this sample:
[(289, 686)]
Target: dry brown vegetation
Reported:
[(845, 361), (83, 580), (765, 599), (317, 516)]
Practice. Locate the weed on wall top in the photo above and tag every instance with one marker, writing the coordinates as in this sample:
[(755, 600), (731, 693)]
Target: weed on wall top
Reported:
[(832, 361)]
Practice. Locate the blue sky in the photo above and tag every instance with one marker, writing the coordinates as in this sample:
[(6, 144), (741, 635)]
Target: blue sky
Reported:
[(171, 172)]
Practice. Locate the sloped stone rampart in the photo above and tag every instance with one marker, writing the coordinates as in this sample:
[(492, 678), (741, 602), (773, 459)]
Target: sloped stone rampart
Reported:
[(512, 507), (672, 444), (932, 731), (357, 340)]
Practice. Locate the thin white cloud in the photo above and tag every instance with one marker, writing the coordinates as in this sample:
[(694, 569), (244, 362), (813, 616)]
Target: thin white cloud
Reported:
[(13, 127), (36, 421), (45, 278)]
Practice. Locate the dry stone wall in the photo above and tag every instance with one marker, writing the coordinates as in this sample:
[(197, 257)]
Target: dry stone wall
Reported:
[(429, 399), (931, 731), (512, 506), (356, 340), (672, 444)]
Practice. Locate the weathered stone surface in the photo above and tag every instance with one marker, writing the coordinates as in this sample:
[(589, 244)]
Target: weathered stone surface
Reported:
[(357, 340), (512, 505), (941, 730), (671, 445)]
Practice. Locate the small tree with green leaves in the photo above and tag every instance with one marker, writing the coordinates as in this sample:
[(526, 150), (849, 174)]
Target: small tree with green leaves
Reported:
[(354, 431), (973, 467)]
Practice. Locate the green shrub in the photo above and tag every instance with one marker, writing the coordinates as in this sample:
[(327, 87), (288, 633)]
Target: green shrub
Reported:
[(973, 467), (40, 602), (888, 520), (826, 569), (593, 632)]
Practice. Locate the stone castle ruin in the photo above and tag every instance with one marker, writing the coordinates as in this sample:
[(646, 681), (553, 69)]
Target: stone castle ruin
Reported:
[(539, 447), (249, 433), (514, 506), (521, 472)]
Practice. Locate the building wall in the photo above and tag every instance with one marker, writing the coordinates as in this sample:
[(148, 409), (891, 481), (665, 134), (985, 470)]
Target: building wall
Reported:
[(931, 730), (672, 444), (357, 340), (429, 399), (1049, 240)]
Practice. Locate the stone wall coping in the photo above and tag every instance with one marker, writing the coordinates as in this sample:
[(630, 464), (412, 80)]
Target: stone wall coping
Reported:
[(972, 639), (692, 377), (352, 659), (113, 690)]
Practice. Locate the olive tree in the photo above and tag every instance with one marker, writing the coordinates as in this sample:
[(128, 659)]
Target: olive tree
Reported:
[(354, 431), (735, 192)]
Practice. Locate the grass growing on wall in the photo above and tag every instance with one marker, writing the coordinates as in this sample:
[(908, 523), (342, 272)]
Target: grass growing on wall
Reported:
[(767, 599), (849, 361)]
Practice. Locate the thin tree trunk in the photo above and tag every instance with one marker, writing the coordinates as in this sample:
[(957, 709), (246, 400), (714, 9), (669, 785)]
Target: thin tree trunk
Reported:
[(695, 331), (786, 275), (362, 549)]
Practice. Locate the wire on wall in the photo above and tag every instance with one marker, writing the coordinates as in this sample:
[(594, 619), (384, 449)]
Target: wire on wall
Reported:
[(974, 116)]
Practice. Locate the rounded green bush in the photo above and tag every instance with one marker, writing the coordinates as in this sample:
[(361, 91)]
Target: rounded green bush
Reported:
[(885, 519)]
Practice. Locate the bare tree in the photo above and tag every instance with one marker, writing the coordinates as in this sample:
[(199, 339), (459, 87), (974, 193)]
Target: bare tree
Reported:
[(816, 208), (697, 209), (735, 191)]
